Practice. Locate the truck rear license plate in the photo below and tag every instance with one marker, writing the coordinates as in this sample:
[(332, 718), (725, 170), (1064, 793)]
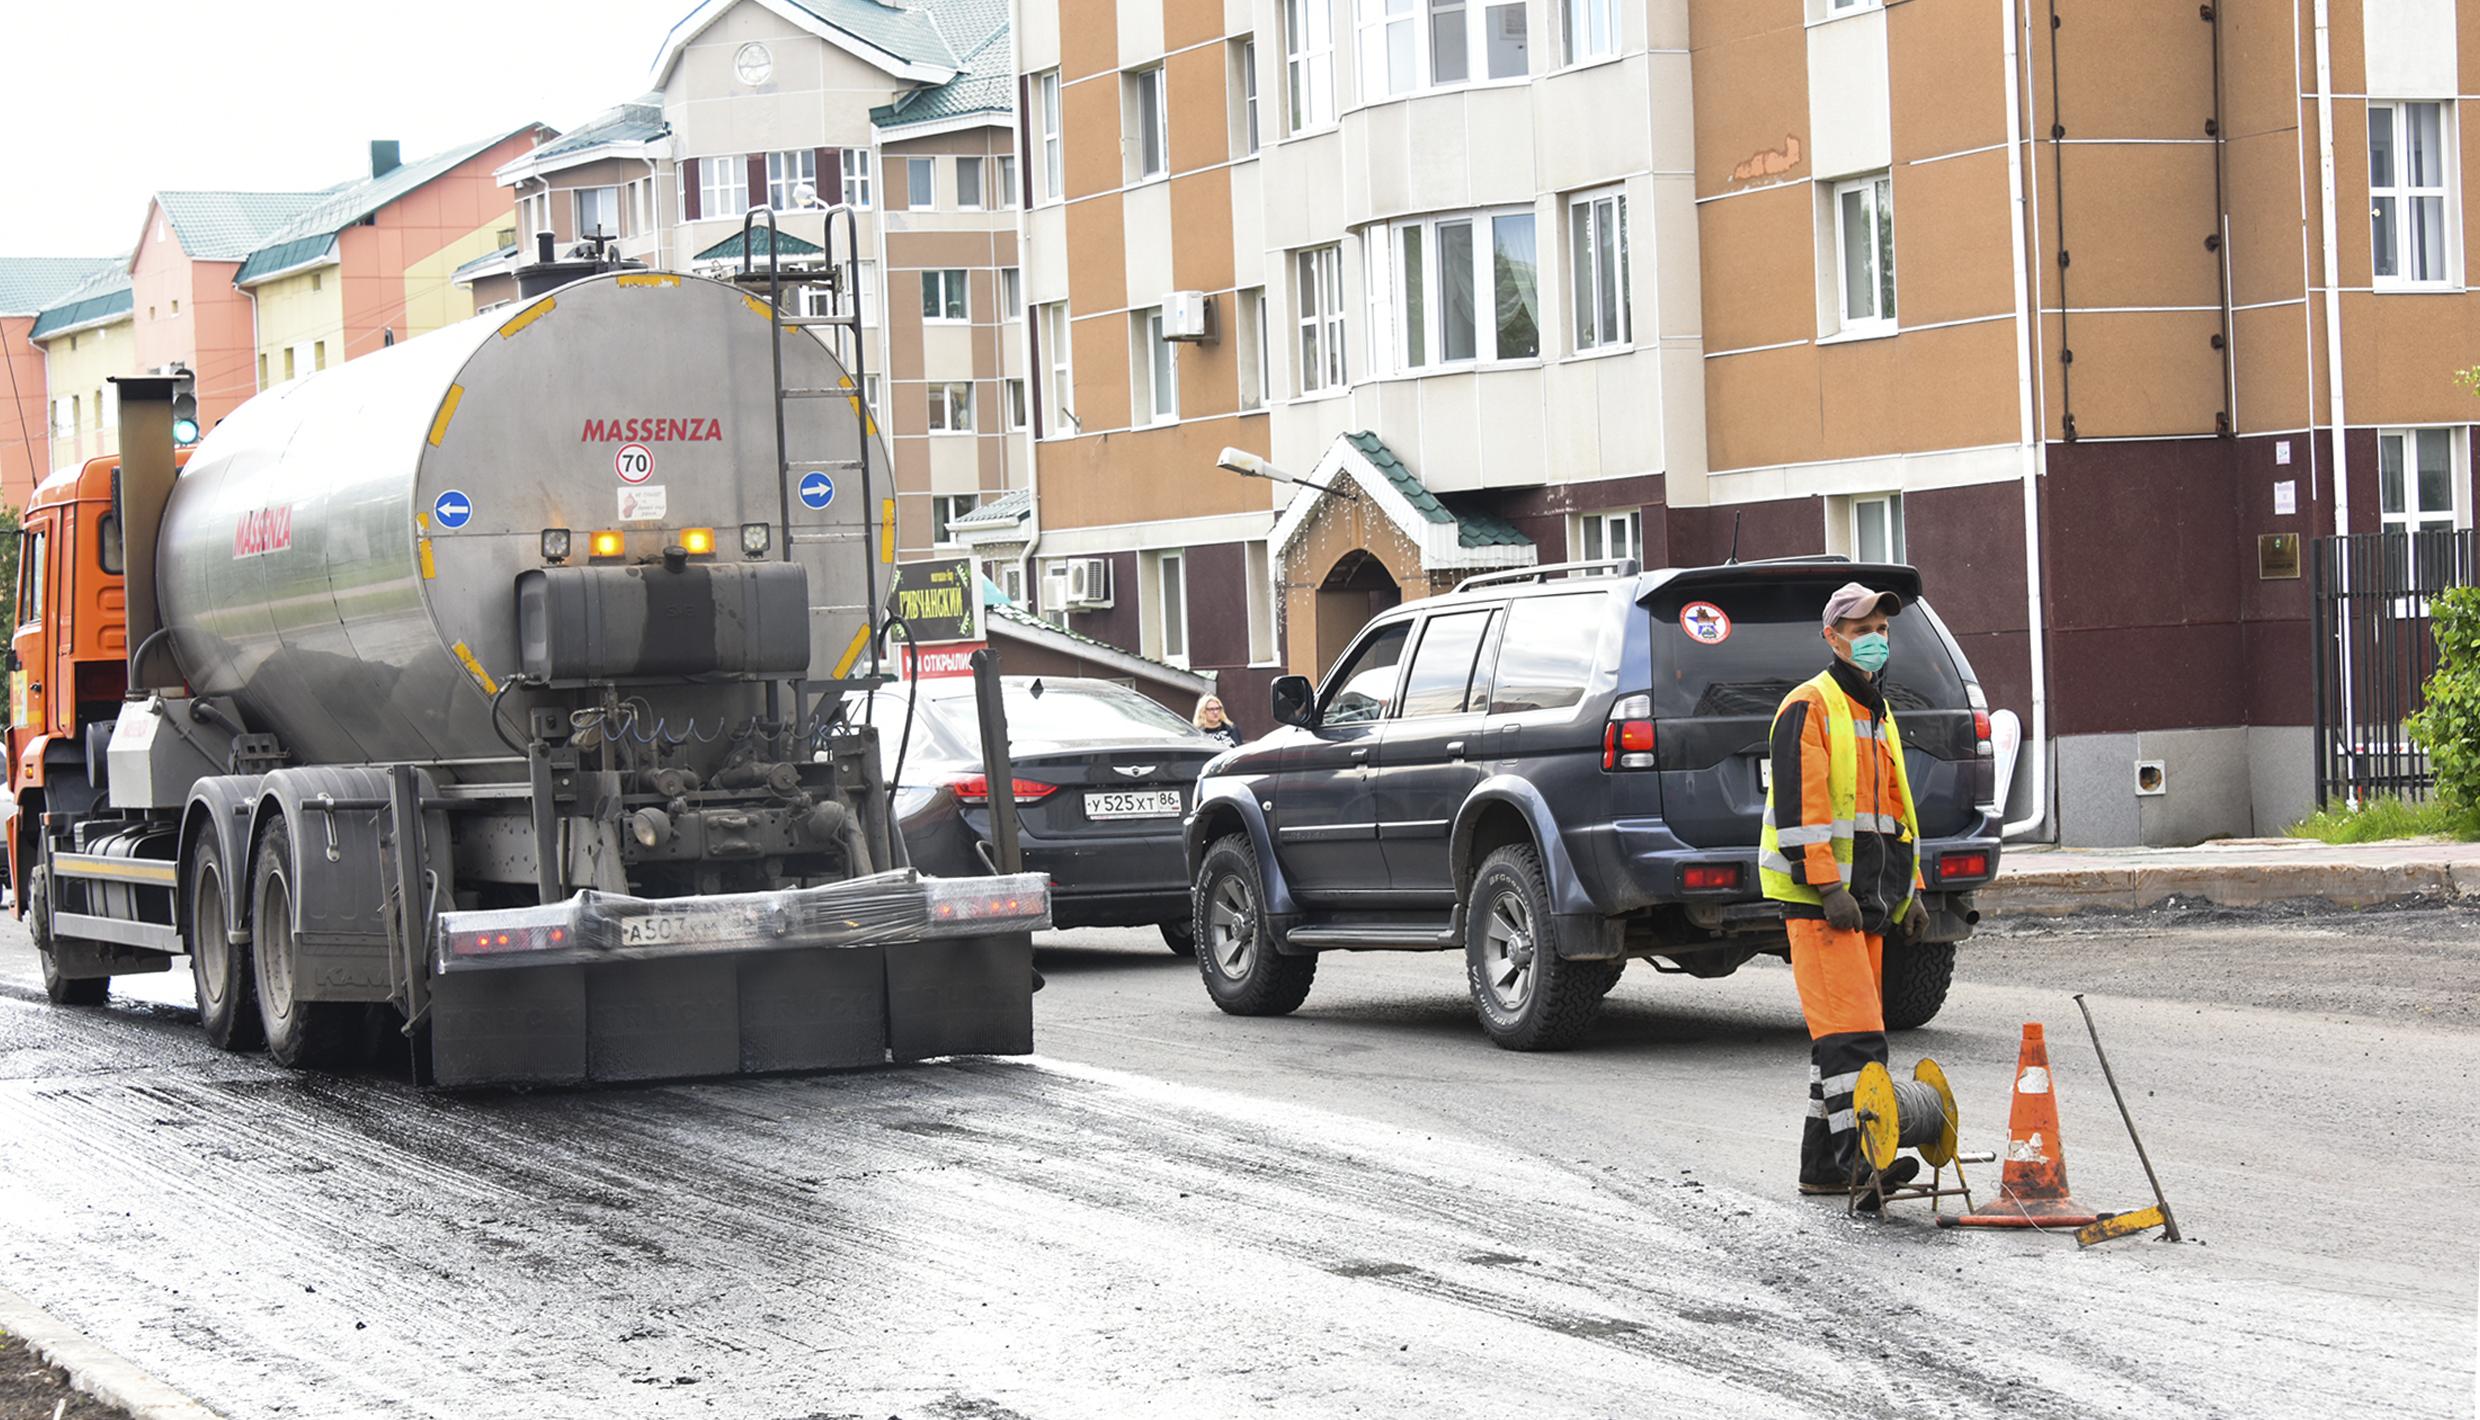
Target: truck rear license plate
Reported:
[(665, 929), (1133, 803)]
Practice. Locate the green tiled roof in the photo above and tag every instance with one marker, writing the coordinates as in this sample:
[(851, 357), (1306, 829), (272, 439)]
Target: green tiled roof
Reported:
[(729, 249), (30, 283), (1008, 507), (637, 121), (99, 297), (311, 232), (228, 226), (1472, 529), (480, 263), (913, 33), (984, 84)]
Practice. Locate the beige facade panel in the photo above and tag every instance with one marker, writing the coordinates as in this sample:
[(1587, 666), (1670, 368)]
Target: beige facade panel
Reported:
[(2265, 254), (1089, 44), (1762, 408), (1758, 255), (1191, 22), (1145, 240), (2411, 48), (1086, 482), (2137, 375), (1200, 116), (1949, 77), (2399, 355), (1953, 251), (1581, 108), (1100, 367), (2269, 352), (1201, 235), (1090, 159), (1848, 104), (2126, 69), (1097, 264), (1927, 389), (1751, 100), (2137, 216)]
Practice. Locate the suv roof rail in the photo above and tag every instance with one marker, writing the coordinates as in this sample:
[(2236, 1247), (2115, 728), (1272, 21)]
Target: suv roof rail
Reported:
[(1609, 566)]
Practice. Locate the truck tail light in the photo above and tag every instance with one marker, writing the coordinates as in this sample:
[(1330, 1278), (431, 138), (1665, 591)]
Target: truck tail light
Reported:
[(1709, 877), (1627, 741), (1970, 863), (507, 939), (697, 542), (975, 789), (604, 544)]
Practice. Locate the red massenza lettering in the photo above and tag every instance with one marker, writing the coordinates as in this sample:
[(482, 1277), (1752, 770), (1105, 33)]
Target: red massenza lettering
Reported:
[(651, 431), (263, 530)]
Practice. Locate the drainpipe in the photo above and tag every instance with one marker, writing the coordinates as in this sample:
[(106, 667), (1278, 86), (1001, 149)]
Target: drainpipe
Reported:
[(2029, 430), (2333, 275)]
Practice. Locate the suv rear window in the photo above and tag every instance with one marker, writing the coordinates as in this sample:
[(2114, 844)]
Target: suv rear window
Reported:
[(1774, 645), (1546, 657)]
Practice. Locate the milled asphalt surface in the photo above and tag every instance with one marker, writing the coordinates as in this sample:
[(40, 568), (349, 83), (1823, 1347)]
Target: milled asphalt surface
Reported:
[(1360, 1210)]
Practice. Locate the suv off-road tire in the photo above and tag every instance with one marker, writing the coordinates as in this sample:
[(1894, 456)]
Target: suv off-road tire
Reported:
[(1562, 997), (1916, 977), (60, 990), (1244, 971)]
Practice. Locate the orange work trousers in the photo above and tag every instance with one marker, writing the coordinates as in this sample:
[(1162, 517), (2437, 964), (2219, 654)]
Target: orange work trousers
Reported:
[(1840, 976)]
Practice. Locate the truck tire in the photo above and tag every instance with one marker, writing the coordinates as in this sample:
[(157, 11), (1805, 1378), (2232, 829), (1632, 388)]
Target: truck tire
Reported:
[(1236, 954), (301, 1035), (1915, 981), (219, 968), (1181, 938), (1526, 995), (61, 990)]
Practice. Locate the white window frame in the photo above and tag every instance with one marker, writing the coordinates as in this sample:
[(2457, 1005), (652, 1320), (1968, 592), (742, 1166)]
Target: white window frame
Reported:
[(1889, 506), (1052, 187), (1059, 373), (1589, 216), (1251, 333), (1005, 164), (1877, 191), (1011, 293), (869, 395), (1244, 60), (865, 291), (1593, 535), (786, 170), (945, 509), (1389, 72), (950, 404), (2402, 486), (1154, 371), (981, 183), (1323, 362), (723, 186), (1146, 123), (954, 291), (859, 179), (927, 170), (1171, 592), (2402, 197), (1393, 295), (1821, 10), (1308, 65), (1588, 30), (1012, 406), (606, 199)]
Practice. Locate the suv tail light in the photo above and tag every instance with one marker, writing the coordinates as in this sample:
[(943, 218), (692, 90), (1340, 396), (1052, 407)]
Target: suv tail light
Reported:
[(1973, 863), (1627, 741), (975, 789), (1979, 702)]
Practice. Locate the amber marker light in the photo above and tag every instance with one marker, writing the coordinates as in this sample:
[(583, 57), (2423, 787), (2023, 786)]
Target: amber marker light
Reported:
[(603, 544), (697, 542)]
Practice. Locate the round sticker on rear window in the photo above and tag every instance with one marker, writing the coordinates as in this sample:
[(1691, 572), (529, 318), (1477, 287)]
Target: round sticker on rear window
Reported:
[(1705, 622)]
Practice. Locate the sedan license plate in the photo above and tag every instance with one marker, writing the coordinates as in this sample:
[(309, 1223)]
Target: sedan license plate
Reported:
[(1133, 803)]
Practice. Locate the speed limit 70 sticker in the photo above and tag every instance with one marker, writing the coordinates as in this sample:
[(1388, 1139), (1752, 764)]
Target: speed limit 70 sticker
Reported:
[(634, 463)]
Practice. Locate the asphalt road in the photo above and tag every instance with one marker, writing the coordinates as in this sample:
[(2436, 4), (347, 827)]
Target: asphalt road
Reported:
[(1360, 1210)]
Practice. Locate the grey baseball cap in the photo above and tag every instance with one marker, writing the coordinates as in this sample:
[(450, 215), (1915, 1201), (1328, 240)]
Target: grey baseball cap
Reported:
[(1853, 600)]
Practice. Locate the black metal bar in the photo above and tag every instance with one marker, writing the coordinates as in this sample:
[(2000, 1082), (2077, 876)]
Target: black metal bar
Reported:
[(998, 766), (413, 917), (2320, 630)]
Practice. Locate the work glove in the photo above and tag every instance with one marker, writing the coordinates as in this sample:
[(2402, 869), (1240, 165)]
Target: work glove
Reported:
[(1842, 910)]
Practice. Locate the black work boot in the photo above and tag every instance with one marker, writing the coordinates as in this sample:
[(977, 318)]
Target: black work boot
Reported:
[(1902, 1171)]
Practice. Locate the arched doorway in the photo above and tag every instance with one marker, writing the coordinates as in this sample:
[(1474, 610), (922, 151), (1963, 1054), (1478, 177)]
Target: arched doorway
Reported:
[(1354, 590)]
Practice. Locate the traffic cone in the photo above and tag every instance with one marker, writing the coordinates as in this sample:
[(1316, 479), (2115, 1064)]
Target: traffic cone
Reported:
[(2032, 1188)]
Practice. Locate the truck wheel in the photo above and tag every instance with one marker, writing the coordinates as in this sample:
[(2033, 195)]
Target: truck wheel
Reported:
[(1915, 982), (62, 990), (219, 969), (1244, 973), (1527, 996), (303, 1035), (1181, 938)]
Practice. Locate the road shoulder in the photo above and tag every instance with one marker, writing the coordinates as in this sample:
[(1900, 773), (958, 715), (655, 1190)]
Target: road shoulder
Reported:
[(93, 1368)]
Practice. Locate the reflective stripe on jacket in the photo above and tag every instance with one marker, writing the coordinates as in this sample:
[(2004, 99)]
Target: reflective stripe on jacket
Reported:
[(1842, 819)]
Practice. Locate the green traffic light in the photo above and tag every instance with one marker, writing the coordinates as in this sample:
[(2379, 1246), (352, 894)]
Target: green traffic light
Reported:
[(184, 432)]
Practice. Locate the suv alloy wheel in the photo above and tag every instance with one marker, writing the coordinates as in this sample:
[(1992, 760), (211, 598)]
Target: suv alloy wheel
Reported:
[(1527, 996), (1244, 973)]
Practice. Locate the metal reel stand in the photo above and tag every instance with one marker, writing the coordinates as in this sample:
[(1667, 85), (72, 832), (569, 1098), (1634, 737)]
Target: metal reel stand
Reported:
[(1886, 1127)]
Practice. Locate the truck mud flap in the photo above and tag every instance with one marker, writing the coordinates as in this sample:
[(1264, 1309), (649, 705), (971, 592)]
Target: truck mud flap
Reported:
[(961, 996)]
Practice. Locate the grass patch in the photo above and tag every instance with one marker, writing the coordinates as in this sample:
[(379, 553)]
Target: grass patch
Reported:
[(2381, 819)]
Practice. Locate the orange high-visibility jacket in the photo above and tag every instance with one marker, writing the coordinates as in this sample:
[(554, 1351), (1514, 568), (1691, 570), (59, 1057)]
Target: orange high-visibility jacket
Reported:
[(1885, 870)]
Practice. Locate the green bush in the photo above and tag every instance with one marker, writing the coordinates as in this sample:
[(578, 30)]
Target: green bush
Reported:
[(2380, 819), (2448, 725)]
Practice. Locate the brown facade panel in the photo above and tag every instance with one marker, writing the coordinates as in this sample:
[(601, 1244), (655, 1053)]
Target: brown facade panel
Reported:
[(1187, 22), (1946, 72), (2269, 348), (1200, 122), (1088, 41), (926, 248), (968, 141), (1925, 389), (2349, 57), (2266, 258), (1086, 482), (1091, 128), (2126, 69), (1099, 364), (904, 355), (2136, 219), (2399, 355), (1716, 22), (2136, 375), (1209, 371), (1097, 257), (1757, 258), (1752, 104), (1953, 240), (1762, 408), (1201, 234), (2261, 84), (2357, 261), (1782, 527)]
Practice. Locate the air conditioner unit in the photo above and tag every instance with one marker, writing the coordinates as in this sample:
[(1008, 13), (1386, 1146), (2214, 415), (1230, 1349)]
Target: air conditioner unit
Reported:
[(1188, 315), (1089, 583)]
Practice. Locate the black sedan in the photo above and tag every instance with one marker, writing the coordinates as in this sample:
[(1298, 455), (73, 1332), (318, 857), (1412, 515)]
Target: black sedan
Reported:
[(1103, 778)]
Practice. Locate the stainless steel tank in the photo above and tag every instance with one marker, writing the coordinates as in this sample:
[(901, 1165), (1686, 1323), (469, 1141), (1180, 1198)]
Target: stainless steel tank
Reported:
[(341, 554)]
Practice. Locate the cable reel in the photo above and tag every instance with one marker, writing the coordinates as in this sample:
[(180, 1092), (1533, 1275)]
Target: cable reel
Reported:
[(1919, 1114)]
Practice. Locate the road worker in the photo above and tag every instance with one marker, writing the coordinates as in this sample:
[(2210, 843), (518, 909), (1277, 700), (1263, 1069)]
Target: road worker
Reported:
[(1840, 853)]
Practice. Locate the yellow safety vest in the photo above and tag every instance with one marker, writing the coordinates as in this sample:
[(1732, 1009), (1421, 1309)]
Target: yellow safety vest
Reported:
[(1842, 789)]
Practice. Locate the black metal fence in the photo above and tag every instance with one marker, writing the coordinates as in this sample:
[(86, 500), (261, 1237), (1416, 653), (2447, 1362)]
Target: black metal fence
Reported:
[(2374, 654)]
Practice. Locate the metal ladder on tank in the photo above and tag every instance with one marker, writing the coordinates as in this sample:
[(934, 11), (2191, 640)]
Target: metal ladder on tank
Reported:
[(839, 279)]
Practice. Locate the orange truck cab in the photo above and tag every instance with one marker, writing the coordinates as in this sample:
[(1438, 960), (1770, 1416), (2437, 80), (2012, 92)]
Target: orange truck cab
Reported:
[(68, 656)]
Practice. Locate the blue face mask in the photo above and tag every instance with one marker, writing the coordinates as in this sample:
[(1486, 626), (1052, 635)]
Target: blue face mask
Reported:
[(1869, 652)]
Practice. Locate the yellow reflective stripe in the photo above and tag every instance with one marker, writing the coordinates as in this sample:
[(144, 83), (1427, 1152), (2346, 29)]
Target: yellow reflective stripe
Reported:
[(852, 652), (465, 653), (648, 278), (447, 411), (887, 530), (430, 569), (528, 316)]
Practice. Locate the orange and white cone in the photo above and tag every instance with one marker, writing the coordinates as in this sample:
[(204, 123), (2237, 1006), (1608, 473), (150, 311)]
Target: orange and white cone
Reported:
[(2032, 1188)]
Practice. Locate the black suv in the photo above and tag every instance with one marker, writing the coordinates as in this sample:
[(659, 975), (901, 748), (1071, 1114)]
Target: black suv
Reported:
[(1558, 770)]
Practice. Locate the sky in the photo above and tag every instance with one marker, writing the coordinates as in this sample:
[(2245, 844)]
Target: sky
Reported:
[(108, 102)]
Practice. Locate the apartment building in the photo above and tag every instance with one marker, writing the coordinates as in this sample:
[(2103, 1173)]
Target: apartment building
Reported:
[(608, 177), (904, 113), (27, 286), (1437, 263)]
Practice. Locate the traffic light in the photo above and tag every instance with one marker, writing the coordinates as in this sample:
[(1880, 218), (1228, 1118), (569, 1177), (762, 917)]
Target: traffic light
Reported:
[(185, 429)]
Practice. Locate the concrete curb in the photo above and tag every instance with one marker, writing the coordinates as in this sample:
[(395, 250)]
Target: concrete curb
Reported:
[(2058, 892), (94, 1368)]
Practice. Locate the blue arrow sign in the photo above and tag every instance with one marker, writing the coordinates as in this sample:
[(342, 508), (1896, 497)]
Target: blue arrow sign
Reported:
[(453, 509), (817, 490)]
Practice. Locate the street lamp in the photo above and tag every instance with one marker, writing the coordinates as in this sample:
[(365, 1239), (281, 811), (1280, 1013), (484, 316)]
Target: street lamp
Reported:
[(1249, 465)]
